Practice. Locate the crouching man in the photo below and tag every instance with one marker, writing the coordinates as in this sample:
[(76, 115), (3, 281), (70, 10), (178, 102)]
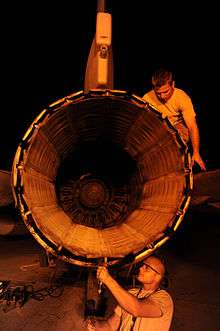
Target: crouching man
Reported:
[(140, 309)]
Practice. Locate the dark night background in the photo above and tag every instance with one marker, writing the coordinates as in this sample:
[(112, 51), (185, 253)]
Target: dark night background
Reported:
[(45, 48)]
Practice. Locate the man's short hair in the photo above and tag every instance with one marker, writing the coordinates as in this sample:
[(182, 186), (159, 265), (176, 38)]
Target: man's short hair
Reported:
[(164, 283), (161, 77)]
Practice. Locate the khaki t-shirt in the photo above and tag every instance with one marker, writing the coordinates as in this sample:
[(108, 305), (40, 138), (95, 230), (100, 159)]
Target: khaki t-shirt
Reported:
[(161, 298), (176, 109)]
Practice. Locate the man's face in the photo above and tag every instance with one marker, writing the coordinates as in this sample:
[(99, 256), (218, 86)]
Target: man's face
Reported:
[(164, 92), (149, 272)]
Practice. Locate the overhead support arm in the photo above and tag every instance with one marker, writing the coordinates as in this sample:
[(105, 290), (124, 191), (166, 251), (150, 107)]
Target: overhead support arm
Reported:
[(99, 69), (101, 6)]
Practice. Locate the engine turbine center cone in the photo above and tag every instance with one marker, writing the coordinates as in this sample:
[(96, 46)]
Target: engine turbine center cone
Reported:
[(92, 194)]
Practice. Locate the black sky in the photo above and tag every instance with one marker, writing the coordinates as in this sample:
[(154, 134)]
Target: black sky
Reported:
[(45, 47)]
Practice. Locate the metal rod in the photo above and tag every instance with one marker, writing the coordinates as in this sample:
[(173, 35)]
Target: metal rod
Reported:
[(101, 6)]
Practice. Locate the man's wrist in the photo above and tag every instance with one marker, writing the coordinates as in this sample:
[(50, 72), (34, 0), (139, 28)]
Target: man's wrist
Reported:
[(108, 279)]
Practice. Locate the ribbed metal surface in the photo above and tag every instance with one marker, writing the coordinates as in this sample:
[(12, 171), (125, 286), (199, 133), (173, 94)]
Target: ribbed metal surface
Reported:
[(101, 176)]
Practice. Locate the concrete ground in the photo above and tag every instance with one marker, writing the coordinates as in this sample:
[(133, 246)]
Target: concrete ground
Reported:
[(192, 257)]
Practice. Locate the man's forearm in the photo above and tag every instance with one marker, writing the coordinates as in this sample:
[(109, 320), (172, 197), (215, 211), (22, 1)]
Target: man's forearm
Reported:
[(126, 300), (195, 138)]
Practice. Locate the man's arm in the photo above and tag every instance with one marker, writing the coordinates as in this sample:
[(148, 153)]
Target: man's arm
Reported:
[(136, 307), (195, 140)]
